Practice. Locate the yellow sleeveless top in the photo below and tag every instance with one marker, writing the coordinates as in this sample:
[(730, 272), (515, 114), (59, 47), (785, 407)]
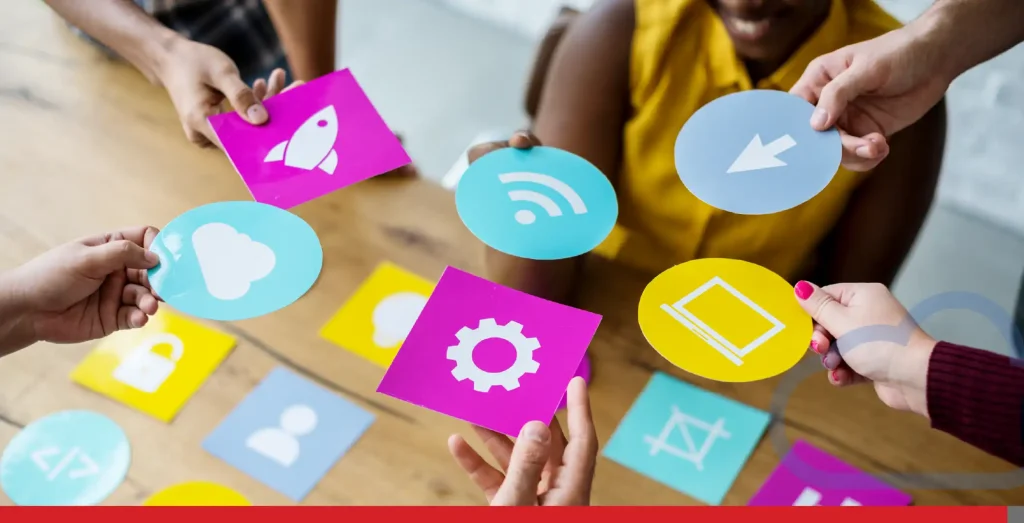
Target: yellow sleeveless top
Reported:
[(682, 58)]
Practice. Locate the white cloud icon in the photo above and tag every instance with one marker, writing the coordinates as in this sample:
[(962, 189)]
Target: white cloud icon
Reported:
[(229, 260)]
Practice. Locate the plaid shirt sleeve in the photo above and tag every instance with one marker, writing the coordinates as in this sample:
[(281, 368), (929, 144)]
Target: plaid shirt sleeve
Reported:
[(240, 28)]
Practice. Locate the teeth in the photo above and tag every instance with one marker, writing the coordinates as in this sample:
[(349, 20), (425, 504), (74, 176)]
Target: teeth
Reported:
[(748, 27)]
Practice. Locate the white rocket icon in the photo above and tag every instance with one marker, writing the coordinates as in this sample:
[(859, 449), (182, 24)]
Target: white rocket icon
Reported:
[(312, 145)]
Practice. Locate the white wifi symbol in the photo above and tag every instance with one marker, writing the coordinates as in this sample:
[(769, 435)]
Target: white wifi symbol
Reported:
[(527, 217)]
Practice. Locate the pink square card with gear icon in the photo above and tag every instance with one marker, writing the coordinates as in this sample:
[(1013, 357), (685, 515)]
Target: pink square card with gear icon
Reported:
[(321, 136), (489, 355)]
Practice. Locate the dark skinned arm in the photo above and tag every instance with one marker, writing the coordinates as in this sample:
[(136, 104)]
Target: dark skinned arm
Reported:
[(583, 109), (886, 212), (307, 32)]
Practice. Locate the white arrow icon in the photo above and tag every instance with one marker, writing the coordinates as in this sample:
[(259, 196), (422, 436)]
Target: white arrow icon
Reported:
[(88, 466), (758, 156)]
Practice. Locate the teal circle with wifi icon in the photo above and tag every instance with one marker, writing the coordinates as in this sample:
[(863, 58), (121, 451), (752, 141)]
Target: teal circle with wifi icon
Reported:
[(541, 203)]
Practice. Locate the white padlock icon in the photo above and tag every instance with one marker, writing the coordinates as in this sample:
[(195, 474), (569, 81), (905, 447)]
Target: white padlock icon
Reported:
[(146, 370)]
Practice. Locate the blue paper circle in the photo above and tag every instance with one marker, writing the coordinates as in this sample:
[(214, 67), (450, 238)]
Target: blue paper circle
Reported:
[(73, 457), (714, 140), (540, 203), (233, 240)]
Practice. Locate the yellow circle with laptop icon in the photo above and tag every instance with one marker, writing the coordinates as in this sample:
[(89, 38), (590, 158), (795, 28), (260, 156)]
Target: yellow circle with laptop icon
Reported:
[(725, 320)]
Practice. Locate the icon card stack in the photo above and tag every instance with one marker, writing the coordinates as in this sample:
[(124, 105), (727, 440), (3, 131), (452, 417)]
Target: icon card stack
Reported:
[(489, 355), (378, 317), (288, 432), (322, 136), (157, 368), (687, 438)]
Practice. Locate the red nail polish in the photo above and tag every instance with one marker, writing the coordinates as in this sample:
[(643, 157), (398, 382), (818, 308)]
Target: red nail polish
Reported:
[(814, 346), (803, 290), (835, 376)]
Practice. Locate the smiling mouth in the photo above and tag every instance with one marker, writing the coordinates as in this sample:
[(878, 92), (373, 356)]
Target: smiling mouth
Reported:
[(749, 29)]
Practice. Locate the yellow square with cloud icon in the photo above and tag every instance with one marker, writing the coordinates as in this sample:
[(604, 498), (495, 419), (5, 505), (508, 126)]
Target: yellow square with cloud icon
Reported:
[(157, 368), (377, 318)]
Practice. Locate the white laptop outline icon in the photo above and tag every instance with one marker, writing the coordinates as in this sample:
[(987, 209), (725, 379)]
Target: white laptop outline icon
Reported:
[(711, 336)]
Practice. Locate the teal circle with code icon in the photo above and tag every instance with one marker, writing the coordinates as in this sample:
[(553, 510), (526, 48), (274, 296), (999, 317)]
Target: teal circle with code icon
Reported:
[(70, 458), (540, 203)]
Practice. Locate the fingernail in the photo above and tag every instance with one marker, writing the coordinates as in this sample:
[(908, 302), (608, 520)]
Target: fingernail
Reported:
[(256, 113), (863, 151), (814, 346), (833, 376), (803, 290), (830, 360), (819, 118), (535, 432), (152, 257)]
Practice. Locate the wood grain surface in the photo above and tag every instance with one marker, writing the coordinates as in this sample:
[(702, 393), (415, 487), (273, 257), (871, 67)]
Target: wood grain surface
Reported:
[(88, 145)]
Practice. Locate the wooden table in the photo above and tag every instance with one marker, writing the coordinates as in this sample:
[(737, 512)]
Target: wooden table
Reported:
[(89, 145)]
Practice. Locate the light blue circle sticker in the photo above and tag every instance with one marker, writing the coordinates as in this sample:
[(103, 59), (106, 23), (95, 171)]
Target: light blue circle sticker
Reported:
[(235, 260), (71, 458), (540, 203), (754, 152)]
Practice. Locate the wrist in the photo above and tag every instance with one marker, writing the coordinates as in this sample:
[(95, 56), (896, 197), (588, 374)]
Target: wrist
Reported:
[(157, 53), (909, 372), (16, 326)]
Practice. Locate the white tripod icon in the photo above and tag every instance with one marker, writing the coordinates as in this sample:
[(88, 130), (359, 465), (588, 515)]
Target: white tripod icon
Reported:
[(692, 453)]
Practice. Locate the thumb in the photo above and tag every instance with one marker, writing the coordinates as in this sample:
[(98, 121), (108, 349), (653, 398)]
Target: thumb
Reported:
[(529, 457), (835, 96), (823, 307), (243, 100), (118, 255)]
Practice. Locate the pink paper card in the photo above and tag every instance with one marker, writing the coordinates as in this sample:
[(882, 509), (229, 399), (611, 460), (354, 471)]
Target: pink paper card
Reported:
[(321, 137), (489, 355)]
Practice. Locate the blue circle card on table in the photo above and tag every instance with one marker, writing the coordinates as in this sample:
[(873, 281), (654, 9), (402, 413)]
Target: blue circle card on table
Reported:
[(71, 458), (754, 152), (235, 260), (540, 203)]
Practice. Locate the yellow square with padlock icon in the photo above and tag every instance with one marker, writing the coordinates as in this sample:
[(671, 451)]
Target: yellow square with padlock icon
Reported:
[(157, 368)]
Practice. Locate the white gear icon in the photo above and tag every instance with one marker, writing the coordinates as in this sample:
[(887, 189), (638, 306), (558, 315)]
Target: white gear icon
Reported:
[(462, 355)]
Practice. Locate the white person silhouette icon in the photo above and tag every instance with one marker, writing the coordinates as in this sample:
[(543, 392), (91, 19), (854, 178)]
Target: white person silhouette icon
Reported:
[(281, 444)]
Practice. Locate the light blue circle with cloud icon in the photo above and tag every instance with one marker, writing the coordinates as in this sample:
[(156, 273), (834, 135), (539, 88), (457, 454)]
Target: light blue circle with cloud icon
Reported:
[(70, 458), (232, 261), (540, 203), (754, 152)]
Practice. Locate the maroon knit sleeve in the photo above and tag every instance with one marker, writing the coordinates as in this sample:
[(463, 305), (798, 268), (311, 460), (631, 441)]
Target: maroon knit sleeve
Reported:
[(978, 396)]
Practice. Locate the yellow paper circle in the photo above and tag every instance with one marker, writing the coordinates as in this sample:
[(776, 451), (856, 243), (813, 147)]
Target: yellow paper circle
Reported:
[(197, 494), (725, 320)]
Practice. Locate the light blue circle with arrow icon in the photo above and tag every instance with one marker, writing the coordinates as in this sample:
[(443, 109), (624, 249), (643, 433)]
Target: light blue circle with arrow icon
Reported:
[(540, 203), (754, 152), (71, 458)]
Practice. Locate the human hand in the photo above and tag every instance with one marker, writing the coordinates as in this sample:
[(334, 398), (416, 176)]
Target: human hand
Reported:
[(874, 89), (541, 468), (518, 140), (199, 78), (83, 290), (875, 337)]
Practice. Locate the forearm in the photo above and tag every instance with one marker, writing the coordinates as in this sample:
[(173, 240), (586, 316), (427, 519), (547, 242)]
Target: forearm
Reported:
[(307, 32), (969, 32), (124, 27), (975, 395), (15, 330), (551, 280)]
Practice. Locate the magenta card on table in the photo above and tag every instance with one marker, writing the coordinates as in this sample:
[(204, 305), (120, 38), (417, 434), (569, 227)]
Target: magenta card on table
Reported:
[(808, 476), (321, 136), (489, 355)]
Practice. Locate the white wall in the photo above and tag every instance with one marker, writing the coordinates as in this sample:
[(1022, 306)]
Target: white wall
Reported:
[(984, 168)]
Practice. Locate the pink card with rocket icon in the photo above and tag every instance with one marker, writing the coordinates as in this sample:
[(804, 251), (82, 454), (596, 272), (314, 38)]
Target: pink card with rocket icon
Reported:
[(322, 136)]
